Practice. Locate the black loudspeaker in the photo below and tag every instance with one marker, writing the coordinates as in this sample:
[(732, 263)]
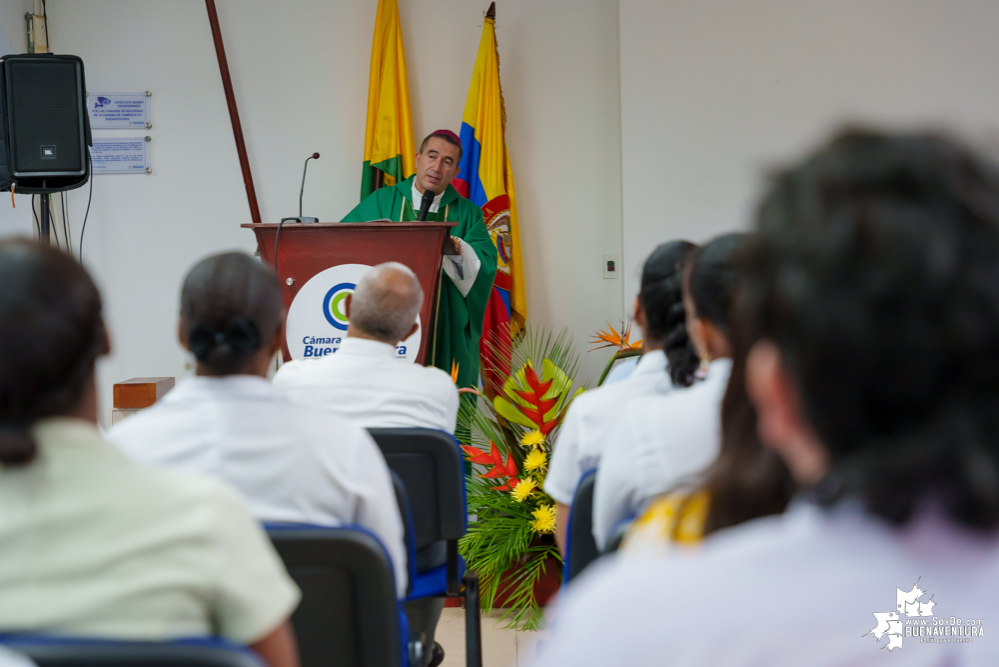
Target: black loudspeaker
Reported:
[(47, 129)]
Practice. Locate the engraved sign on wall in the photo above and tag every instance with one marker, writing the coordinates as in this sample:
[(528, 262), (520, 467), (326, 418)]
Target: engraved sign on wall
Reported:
[(121, 111), (122, 155)]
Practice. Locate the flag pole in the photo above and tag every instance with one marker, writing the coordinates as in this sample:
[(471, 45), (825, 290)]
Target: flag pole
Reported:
[(230, 99)]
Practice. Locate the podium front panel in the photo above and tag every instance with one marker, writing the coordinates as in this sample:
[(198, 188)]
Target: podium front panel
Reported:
[(308, 249)]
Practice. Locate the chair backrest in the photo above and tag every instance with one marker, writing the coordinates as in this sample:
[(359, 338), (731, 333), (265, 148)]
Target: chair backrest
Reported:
[(47, 652), (430, 465), (581, 548), (409, 533), (349, 614), (617, 533)]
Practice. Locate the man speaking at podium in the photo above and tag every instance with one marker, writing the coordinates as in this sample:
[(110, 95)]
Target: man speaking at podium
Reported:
[(463, 298)]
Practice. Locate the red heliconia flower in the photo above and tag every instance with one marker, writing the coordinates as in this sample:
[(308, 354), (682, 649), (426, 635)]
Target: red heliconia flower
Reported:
[(475, 455), (510, 485), (499, 469), (540, 406)]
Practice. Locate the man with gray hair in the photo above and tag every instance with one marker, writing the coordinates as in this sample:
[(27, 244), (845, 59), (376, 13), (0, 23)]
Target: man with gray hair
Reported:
[(364, 381)]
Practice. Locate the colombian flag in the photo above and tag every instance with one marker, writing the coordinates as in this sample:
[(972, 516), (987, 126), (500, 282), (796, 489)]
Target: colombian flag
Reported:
[(485, 177), (388, 137)]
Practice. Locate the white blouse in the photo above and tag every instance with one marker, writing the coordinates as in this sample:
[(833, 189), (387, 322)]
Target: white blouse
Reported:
[(659, 440), (95, 545), (592, 419), (811, 588), (290, 462)]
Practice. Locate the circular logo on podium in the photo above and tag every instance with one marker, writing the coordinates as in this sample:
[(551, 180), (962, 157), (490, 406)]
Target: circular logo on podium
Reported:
[(317, 319), (335, 305)]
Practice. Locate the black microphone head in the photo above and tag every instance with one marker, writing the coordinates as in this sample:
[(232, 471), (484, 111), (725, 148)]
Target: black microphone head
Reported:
[(315, 156), (428, 199)]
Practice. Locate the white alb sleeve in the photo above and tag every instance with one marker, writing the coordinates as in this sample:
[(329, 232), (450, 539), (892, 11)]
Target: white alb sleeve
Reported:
[(463, 269)]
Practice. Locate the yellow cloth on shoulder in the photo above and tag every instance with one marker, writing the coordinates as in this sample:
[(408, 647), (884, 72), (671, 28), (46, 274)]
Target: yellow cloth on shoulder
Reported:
[(676, 518)]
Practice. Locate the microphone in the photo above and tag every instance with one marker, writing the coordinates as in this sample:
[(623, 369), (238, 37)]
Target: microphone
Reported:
[(301, 192), (428, 199)]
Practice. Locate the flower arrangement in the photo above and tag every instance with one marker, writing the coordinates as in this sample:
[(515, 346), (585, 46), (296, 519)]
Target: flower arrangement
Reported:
[(510, 541)]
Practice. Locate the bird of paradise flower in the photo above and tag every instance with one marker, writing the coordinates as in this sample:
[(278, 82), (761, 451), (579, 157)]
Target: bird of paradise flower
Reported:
[(623, 347), (614, 339)]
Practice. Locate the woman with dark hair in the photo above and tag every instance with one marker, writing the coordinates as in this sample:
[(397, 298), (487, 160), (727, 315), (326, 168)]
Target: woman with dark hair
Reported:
[(873, 284), (668, 361), (93, 544), (745, 482), (291, 462), (659, 440)]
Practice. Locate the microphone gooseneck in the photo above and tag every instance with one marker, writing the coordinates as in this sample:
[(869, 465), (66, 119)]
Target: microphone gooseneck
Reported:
[(301, 192), (428, 199)]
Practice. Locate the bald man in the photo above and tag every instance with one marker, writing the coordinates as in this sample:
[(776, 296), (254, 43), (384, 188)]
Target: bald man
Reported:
[(365, 381)]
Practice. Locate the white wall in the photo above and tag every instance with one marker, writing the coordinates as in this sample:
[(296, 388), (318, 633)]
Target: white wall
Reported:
[(300, 73), (713, 92)]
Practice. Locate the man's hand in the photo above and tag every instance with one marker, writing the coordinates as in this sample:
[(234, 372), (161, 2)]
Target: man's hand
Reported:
[(457, 243)]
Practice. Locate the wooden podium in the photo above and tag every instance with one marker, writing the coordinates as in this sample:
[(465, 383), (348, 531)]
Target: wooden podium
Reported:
[(308, 249)]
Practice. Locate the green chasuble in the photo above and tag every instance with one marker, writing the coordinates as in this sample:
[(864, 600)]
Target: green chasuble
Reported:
[(459, 319)]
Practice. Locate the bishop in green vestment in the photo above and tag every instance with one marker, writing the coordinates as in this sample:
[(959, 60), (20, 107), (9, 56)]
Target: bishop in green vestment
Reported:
[(468, 279)]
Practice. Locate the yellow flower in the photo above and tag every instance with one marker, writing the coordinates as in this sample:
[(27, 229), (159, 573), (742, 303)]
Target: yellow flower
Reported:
[(544, 519), (523, 489), (532, 439), (536, 459)]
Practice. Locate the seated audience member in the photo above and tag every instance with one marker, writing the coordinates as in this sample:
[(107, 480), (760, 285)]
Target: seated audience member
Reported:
[(668, 355), (292, 463), (365, 381), (746, 481), (95, 545), (659, 440), (874, 285)]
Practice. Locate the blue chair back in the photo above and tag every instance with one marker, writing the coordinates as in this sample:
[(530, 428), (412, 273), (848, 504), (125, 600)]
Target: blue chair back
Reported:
[(581, 548), (65, 652), (430, 465), (349, 615), (409, 532)]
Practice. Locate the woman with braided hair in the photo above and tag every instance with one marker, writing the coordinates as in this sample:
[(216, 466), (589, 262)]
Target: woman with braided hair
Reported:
[(291, 462), (669, 361), (660, 440), (93, 544)]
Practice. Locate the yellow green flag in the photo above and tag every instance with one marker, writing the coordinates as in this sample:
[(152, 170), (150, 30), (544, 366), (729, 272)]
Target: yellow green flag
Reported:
[(388, 136)]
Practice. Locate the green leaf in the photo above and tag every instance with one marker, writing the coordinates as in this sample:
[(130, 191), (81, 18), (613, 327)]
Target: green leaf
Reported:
[(508, 411)]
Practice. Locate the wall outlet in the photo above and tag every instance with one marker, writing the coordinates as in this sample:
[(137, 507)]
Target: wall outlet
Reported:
[(611, 266)]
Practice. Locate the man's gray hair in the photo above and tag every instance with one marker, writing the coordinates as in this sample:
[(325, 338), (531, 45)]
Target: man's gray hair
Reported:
[(386, 302)]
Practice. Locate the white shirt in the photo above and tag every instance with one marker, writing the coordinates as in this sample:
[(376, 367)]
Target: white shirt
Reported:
[(290, 462), (658, 441), (592, 419), (621, 371), (799, 590), (10, 658), (461, 269), (366, 383), (92, 544)]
